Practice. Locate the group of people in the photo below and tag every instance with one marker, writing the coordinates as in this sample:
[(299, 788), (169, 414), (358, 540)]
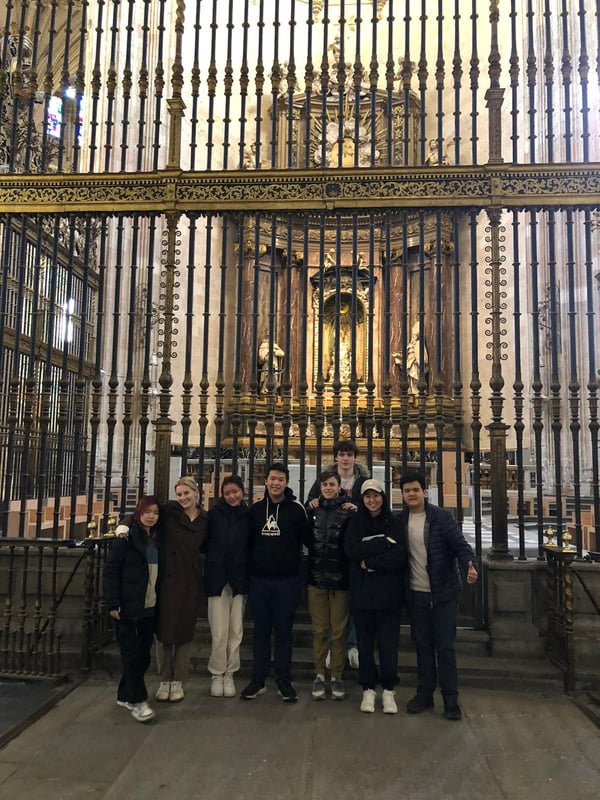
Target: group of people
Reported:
[(365, 565)]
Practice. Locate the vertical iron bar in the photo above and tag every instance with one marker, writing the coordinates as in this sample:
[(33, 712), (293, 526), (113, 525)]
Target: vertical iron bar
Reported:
[(555, 386), (159, 84), (574, 385), (548, 80), (531, 81), (474, 80), (536, 384), (96, 86), (188, 381), (243, 91), (126, 86), (133, 311), (457, 73), (275, 87), (227, 86), (422, 74), (567, 73), (259, 81), (518, 385), (515, 104), (475, 381), (204, 381), (584, 66), (143, 85), (111, 86), (592, 385)]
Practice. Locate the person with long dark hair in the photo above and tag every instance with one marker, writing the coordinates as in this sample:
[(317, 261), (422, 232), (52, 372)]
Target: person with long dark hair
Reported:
[(130, 576), (377, 553), (226, 583)]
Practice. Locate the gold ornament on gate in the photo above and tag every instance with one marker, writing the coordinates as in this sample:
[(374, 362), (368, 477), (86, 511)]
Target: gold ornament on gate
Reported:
[(92, 529), (567, 546), (549, 534), (111, 524)]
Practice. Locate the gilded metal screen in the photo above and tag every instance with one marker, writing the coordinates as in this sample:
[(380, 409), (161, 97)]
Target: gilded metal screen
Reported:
[(234, 232)]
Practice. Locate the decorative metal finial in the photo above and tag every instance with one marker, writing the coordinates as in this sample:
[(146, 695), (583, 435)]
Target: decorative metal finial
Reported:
[(111, 524), (92, 529), (549, 534), (567, 546)]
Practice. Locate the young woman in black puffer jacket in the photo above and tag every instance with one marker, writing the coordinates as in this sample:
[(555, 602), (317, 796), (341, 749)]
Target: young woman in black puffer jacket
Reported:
[(376, 548), (130, 580)]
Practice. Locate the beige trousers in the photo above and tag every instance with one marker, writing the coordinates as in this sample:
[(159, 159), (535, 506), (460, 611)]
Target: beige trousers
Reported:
[(226, 620), (329, 611)]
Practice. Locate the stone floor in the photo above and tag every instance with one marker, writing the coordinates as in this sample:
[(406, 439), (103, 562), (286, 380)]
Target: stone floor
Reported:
[(513, 745)]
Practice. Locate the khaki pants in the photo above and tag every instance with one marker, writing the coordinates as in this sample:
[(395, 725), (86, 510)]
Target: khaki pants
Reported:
[(329, 611), (173, 661), (226, 620)]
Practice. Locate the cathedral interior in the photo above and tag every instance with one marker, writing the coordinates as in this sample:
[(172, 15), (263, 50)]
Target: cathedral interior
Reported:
[(234, 233)]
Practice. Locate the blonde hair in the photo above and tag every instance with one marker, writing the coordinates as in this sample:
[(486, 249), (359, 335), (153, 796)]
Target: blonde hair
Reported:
[(188, 481)]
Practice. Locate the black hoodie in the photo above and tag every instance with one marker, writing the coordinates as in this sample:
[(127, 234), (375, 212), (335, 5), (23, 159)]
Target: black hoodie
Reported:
[(277, 533)]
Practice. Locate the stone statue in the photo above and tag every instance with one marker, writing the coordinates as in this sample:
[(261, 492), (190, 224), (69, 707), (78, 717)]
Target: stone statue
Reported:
[(270, 361), (413, 366)]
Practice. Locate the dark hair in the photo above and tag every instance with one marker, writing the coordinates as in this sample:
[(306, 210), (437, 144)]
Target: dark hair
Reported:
[(235, 479), (330, 473), (143, 504), (411, 477), (277, 466), (345, 446)]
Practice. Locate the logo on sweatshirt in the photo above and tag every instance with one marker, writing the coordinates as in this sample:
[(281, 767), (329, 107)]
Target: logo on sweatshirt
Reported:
[(271, 528)]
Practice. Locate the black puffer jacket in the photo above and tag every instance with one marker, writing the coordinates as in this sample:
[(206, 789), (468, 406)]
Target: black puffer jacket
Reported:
[(126, 574), (327, 562), (382, 584), (227, 550)]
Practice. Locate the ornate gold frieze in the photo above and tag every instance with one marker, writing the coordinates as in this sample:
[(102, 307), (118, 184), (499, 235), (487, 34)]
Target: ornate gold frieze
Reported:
[(267, 190)]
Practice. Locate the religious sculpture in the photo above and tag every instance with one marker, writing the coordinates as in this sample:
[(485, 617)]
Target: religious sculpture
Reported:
[(270, 362)]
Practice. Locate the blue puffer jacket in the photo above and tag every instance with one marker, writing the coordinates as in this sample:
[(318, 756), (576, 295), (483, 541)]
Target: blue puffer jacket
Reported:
[(327, 563), (446, 549)]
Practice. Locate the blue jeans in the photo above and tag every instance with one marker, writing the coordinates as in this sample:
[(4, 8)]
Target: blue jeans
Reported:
[(433, 631), (273, 603)]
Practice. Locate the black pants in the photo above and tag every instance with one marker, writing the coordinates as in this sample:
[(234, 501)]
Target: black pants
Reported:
[(273, 603), (381, 627), (134, 638), (433, 631)]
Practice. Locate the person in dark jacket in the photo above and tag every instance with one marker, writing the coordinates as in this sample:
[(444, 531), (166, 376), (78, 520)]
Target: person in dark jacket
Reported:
[(376, 549), (226, 583), (183, 528), (278, 529), (130, 576), (352, 475), (436, 543), (328, 597)]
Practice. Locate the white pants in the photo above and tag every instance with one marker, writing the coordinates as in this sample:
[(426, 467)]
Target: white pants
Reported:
[(226, 620)]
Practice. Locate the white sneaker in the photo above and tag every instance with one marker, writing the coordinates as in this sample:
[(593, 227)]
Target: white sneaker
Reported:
[(368, 701), (389, 702), (176, 694), (163, 691), (353, 658), (228, 685), (124, 704), (216, 686), (142, 712)]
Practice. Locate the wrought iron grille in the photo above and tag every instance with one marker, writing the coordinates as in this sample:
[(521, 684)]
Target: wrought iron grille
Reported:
[(234, 231)]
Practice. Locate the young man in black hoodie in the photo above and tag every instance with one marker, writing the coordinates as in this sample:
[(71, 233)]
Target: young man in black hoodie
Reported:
[(278, 529)]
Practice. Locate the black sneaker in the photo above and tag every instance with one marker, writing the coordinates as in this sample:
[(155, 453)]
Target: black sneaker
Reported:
[(254, 688), (418, 704), (452, 711), (286, 691)]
